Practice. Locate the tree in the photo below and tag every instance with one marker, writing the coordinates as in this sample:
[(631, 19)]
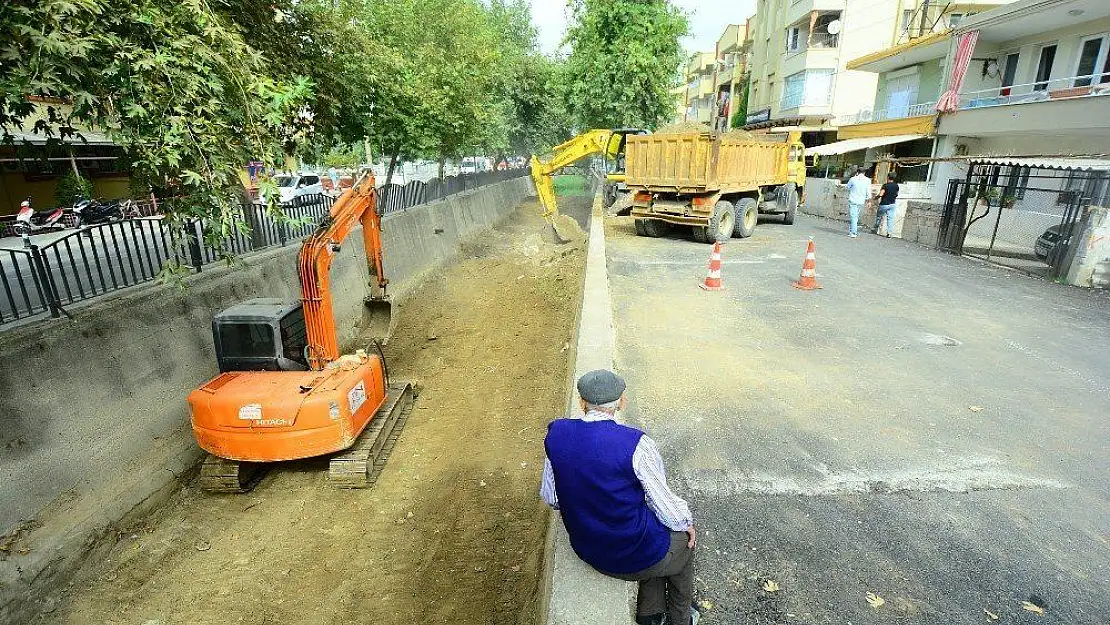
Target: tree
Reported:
[(740, 107), (527, 84), (622, 63), (171, 81)]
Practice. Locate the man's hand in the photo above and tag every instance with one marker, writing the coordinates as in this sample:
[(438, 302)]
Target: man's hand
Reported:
[(693, 534)]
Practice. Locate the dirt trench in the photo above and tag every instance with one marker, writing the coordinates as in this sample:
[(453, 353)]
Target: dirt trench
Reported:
[(453, 531)]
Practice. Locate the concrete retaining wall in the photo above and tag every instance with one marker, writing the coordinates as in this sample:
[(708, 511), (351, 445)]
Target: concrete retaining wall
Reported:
[(93, 417)]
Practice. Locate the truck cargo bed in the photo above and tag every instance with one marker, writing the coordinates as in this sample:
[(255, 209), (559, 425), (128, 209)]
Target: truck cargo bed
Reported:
[(701, 163)]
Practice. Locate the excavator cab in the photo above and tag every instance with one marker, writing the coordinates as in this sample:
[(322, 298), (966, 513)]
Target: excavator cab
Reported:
[(263, 334)]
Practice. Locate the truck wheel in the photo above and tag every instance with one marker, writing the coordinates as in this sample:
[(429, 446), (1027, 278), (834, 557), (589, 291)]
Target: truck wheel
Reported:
[(788, 198), (640, 227), (722, 223), (747, 216), (654, 228), (609, 195), (700, 233)]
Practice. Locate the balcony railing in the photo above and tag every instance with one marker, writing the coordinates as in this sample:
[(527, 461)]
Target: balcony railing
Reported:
[(897, 112), (824, 40), (1055, 89)]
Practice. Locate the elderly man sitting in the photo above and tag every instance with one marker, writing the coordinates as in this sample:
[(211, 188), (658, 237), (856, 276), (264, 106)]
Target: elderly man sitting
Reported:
[(608, 483)]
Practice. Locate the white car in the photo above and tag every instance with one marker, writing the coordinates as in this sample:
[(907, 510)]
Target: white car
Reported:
[(297, 185)]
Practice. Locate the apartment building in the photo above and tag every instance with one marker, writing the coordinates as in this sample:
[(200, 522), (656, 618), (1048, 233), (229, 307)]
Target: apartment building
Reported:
[(801, 48), (714, 80), (1034, 86), (700, 88), (732, 51)]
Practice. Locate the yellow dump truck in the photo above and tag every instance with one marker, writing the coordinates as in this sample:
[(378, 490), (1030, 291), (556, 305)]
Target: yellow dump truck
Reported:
[(718, 185)]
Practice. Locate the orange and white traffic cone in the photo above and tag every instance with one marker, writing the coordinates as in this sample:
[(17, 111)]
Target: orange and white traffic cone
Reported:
[(808, 281), (713, 278)]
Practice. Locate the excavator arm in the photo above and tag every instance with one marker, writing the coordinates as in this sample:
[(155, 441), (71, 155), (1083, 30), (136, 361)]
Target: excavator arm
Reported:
[(584, 145), (357, 206)]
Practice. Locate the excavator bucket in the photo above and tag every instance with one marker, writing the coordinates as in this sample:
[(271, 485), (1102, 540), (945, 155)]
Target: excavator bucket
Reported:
[(377, 319)]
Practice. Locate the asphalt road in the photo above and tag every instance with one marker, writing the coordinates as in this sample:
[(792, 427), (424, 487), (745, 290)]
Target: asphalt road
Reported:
[(130, 252), (925, 428)]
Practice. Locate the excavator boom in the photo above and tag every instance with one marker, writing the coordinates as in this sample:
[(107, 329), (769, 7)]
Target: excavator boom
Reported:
[(609, 143), (357, 205)]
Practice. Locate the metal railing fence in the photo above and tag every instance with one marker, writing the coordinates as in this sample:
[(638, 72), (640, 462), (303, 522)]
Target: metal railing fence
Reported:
[(102, 258)]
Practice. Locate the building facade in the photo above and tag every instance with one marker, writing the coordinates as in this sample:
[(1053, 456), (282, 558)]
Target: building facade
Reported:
[(1034, 86), (801, 49), (713, 81)]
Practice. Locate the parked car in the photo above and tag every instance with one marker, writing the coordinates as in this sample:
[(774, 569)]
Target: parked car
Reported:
[(1053, 243), (474, 165), (297, 185)]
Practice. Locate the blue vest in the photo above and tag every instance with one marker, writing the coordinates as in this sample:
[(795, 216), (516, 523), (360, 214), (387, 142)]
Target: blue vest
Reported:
[(601, 500)]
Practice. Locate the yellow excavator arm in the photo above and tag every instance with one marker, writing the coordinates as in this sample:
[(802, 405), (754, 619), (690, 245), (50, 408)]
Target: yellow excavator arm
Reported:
[(607, 142)]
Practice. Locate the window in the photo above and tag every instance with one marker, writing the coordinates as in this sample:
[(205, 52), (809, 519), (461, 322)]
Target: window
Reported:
[(1016, 182), (294, 337), (793, 39), (809, 88), (1044, 67), (1094, 61), (1009, 71), (954, 19), (907, 19), (247, 340)]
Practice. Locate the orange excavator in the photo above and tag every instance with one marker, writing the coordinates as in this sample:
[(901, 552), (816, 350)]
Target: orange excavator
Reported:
[(284, 391)]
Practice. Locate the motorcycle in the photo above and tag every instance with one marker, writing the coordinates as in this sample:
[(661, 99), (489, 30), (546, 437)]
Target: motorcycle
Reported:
[(92, 212), (29, 221)]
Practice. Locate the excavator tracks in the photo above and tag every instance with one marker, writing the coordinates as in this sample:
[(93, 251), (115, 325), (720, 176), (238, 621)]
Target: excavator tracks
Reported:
[(360, 465), (218, 475), (356, 467)]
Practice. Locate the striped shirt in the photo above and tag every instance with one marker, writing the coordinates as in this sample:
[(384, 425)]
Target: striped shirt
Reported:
[(671, 509)]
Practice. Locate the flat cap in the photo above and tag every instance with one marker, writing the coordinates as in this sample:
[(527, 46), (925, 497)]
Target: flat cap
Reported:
[(600, 386)]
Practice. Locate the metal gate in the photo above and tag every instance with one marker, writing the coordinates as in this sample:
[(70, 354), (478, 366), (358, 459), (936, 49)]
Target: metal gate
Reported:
[(1020, 216)]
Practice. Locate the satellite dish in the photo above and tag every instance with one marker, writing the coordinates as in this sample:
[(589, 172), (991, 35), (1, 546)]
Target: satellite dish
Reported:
[(992, 68), (833, 27)]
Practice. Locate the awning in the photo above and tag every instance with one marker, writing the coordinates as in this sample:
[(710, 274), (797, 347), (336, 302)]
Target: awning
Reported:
[(852, 145), (1078, 164)]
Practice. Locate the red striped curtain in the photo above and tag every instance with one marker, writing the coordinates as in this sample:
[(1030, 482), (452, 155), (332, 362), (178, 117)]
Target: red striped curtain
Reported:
[(950, 101)]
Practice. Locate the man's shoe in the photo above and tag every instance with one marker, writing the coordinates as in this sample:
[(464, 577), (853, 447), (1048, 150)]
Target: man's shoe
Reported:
[(654, 619)]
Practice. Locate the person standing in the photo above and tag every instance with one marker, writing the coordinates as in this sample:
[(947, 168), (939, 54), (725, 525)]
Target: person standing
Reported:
[(608, 483), (888, 195), (859, 192)]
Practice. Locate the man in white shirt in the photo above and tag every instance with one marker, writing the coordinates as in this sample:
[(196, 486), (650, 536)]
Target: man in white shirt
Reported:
[(859, 192), (608, 483)]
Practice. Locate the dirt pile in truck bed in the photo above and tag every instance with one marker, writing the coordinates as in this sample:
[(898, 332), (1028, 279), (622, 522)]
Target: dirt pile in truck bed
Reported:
[(453, 531)]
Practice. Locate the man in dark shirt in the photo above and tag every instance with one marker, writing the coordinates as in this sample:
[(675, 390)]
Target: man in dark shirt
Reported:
[(888, 195)]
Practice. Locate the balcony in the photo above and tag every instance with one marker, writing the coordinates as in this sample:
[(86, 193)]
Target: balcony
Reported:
[(867, 116), (1056, 89)]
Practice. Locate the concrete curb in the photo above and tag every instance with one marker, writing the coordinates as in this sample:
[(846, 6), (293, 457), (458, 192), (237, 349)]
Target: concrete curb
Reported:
[(572, 593)]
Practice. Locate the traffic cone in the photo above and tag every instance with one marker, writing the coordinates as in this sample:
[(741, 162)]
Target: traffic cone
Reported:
[(808, 281), (713, 278)]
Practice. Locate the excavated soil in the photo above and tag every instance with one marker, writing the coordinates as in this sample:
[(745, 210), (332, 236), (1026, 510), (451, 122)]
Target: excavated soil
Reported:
[(453, 531)]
